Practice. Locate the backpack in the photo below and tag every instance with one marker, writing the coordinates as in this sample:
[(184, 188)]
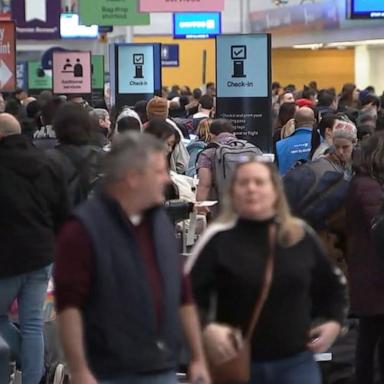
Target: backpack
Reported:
[(82, 170), (315, 190), (226, 157), (194, 149)]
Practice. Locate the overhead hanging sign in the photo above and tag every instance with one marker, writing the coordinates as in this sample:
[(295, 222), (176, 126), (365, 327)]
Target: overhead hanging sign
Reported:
[(39, 79), (37, 19), (7, 56), (181, 5), (72, 72), (112, 12), (243, 78)]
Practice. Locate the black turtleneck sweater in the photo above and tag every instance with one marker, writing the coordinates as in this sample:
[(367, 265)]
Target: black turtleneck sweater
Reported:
[(305, 287)]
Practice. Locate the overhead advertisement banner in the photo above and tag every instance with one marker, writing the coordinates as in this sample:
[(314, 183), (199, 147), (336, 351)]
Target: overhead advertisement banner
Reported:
[(72, 72), (112, 12), (7, 56), (181, 5), (37, 19), (243, 78)]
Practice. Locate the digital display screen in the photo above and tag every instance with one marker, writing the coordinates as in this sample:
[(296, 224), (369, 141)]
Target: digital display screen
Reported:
[(367, 9), (200, 25), (71, 29)]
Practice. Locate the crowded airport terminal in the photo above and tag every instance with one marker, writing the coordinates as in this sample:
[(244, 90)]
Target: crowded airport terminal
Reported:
[(192, 191)]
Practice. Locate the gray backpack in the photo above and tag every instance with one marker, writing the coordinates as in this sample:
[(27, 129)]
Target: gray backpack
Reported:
[(225, 160)]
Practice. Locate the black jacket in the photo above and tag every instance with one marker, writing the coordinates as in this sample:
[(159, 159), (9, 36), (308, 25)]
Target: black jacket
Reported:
[(120, 329), (33, 204)]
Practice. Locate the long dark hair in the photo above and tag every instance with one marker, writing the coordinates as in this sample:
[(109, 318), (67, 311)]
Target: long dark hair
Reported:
[(370, 158), (328, 121)]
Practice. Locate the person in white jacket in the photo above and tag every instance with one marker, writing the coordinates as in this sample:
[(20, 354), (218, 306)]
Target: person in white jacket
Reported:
[(158, 108)]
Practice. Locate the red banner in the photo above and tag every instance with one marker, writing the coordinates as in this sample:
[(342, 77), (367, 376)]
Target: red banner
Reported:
[(7, 56)]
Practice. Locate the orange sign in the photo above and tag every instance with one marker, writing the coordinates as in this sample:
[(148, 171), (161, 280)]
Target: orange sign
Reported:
[(7, 56)]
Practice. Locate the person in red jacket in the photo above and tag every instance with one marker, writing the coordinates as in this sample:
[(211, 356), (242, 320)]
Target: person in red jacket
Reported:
[(365, 266)]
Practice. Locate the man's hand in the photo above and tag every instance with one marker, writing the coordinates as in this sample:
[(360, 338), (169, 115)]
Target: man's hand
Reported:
[(198, 373), (83, 377), (323, 336)]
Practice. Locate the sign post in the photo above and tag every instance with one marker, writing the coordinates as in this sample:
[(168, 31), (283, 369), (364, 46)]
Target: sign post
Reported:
[(7, 56), (243, 78), (72, 73), (135, 72)]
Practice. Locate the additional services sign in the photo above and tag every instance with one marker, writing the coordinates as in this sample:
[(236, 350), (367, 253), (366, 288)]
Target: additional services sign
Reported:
[(98, 72), (7, 56), (112, 12), (170, 55), (39, 79), (243, 77), (72, 72), (181, 5), (37, 19)]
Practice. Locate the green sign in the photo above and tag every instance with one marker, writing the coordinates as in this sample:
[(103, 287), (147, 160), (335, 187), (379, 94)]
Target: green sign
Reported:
[(112, 12), (38, 78), (98, 72)]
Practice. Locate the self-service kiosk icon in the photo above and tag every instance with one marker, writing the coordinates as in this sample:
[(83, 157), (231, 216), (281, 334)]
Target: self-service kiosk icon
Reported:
[(138, 62), (238, 55)]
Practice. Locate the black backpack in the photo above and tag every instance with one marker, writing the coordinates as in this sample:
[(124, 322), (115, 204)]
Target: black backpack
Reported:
[(81, 168), (315, 190)]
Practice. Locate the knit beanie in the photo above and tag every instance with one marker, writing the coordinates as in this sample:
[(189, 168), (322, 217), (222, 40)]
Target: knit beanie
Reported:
[(157, 107), (345, 130)]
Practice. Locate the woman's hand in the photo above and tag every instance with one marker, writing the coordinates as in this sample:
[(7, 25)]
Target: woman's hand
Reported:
[(220, 343), (323, 336)]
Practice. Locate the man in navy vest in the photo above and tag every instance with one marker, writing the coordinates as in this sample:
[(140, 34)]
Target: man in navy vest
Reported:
[(297, 146), (122, 299)]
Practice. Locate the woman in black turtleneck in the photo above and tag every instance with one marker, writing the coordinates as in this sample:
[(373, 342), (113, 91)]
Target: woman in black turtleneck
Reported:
[(229, 264)]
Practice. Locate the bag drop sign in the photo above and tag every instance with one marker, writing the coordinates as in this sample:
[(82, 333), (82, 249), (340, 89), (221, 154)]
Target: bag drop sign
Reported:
[(72, 72)]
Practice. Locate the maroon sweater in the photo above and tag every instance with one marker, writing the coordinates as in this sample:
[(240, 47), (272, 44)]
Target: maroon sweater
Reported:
[(74, 267)]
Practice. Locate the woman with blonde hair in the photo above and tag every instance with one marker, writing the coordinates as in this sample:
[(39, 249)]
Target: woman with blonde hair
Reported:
[(204, 137), (274, 289)]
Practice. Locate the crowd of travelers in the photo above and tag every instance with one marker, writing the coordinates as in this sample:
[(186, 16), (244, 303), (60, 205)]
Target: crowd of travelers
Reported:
[(289, 270)]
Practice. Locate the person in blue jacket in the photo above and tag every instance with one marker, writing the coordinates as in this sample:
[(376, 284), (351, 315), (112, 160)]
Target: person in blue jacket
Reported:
[(297, 146)]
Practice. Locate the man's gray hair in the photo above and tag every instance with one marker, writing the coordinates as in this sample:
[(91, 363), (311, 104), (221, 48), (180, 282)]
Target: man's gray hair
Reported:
[(98, 113), (130, 151)]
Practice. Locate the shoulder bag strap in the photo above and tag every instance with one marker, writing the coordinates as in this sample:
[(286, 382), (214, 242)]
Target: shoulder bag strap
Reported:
[(267, 281)]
